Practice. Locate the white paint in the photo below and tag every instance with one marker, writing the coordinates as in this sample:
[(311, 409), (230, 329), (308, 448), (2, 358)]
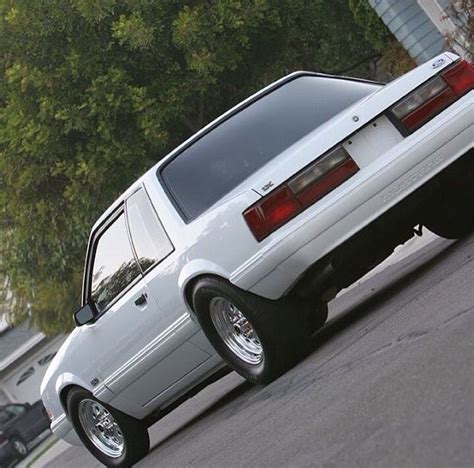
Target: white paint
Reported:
[(144, 357)]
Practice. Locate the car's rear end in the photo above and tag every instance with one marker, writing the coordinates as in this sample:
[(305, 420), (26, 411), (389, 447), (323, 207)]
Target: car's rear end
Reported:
[(333, 183), (401, 137)]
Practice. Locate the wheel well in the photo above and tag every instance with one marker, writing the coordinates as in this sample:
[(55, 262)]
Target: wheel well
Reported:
[(63, 396), (188, 289)]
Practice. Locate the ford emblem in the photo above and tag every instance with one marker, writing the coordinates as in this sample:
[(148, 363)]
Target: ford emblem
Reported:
[(437, 63)]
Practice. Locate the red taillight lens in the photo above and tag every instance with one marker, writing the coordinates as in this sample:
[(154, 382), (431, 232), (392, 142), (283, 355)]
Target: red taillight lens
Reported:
[(428, 110), (460, 78), (300, 191), (332, 173), (271, 212), (430, 99)]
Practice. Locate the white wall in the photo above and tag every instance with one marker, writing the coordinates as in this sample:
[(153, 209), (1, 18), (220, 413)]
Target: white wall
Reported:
[(22, 384)]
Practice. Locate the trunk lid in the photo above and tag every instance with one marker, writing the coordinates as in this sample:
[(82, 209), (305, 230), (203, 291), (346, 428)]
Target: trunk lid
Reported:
[(350, 128)]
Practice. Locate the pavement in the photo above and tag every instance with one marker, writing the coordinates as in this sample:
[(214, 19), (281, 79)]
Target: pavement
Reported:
[(390, 382), (44, 453)]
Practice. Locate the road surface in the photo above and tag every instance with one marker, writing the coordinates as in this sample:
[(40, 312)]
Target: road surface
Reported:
[(390, 382)]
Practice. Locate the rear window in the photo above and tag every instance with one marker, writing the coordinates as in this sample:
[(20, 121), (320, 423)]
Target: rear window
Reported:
[(223, 158)]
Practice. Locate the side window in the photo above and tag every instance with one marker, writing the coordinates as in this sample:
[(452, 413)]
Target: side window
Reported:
[(16, 410), (5, 416), (114, 265), (148, 236)]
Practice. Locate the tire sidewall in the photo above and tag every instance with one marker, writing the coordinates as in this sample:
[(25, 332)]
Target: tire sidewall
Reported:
[(202, 302), (265, 316), (17, 454), (74, 398)]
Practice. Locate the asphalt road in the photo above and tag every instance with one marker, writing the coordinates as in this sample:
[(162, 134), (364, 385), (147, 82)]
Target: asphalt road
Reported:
[(390, 382)]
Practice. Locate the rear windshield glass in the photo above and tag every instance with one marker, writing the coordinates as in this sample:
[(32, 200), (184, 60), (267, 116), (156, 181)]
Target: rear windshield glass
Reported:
[(219, 161)]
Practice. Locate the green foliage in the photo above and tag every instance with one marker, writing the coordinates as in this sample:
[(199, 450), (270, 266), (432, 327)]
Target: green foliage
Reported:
[(375, 30), (94, 92), (461, 40)]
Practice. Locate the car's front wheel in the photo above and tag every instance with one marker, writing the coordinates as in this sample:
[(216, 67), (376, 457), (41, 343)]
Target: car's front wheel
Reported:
[(257, 337), (19, 447), (111, 436)]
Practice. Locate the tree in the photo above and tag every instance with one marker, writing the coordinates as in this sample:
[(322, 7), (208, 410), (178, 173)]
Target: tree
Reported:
[(94, 92), (394, 60), (461, 39)]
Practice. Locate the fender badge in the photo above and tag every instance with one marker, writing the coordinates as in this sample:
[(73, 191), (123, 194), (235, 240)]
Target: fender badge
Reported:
[(94, 381), (437, 63), (267, 186)]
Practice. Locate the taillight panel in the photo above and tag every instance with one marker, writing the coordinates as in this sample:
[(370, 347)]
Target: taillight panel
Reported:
[(299, 192), (460, 77), (427, 101), (333, 168)]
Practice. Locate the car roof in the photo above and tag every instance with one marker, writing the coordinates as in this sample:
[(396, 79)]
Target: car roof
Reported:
[(196, 136)]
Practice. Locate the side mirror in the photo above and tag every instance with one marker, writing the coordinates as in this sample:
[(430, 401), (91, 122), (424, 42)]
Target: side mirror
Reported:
[(27, 405), (85, 314)]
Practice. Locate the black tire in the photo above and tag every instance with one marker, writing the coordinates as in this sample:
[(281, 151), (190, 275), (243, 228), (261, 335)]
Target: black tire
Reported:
[(452, 220), (317, 316), (281, 328), (452, 213), (134, 432), (19, 447), (450, 227)]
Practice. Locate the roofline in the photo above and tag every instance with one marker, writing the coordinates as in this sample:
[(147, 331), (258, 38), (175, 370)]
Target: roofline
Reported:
[(21, 351), (214, 123)]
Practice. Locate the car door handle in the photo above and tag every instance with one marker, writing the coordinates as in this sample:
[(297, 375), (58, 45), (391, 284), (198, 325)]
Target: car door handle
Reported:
[(140, 300)]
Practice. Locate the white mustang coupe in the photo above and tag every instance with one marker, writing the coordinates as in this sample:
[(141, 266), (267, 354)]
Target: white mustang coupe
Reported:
[(225, 254)]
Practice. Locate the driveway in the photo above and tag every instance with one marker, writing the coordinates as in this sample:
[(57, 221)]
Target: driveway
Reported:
[(390, 382)]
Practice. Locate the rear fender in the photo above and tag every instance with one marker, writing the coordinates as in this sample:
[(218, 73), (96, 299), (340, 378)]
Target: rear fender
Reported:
[(192, 271)]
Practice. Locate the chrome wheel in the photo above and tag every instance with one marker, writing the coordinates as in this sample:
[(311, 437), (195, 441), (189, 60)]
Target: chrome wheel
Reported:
[(19, 447), (235, 330), (101, 428)]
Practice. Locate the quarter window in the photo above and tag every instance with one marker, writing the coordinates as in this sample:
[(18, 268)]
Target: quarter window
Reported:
[(148, 236), (114, 265)]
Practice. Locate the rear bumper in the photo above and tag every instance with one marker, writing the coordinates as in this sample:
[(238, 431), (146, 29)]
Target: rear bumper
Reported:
[(362, 199)]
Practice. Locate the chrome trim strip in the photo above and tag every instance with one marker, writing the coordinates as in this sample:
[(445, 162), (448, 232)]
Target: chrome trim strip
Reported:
[(144, 353)]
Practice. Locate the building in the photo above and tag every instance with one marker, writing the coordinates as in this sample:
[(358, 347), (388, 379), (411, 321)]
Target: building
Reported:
[(422, 26), (24, 357)]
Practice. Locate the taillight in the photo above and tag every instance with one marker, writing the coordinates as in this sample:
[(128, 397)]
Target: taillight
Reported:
[(323, 176), (430, 99), (302, 190), (460, 78)]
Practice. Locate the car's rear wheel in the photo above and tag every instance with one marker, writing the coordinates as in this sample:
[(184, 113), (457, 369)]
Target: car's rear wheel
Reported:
[(111, 436), (258, 338), (19, 447), (449, 226), (318, 315), (453, 217)]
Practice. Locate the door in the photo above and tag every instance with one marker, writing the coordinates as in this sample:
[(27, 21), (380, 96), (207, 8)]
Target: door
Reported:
[(153, 250), (140, 353)]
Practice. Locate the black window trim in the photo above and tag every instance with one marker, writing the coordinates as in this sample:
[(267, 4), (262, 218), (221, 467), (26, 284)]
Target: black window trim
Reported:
[(91, 256), (156, 263), (92, 247), (223, 118)]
